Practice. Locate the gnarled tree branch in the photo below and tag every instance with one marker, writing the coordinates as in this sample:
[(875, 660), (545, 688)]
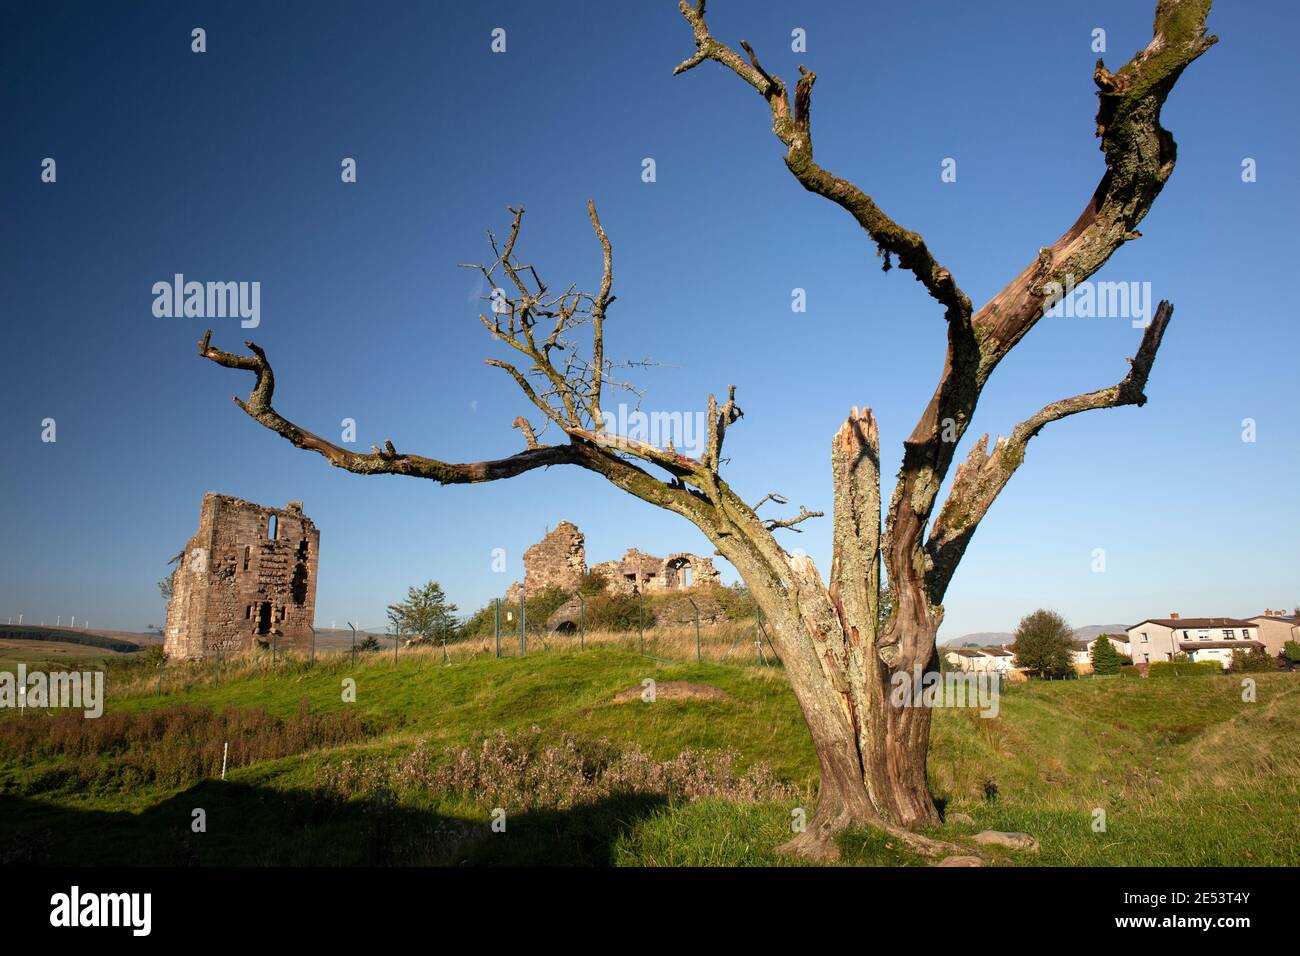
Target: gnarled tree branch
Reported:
[(982, 477), (386, 462)]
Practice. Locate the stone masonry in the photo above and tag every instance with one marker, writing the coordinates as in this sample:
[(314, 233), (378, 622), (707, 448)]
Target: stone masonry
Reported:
[(560, 560), (246, 579)]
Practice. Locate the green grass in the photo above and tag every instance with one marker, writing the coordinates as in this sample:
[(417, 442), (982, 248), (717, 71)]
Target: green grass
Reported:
[(1186, 772), (52, 655)]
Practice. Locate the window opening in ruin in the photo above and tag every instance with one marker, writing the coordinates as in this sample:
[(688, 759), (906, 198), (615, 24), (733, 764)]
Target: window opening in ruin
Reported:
[(264, 618), (248, 554), (271, 527), (298, 586)]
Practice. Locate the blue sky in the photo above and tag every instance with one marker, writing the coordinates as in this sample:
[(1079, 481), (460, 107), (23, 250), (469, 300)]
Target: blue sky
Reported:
[(225, 166)]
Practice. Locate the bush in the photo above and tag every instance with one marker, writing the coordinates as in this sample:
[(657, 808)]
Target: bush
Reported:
[(737, 603), (1184, 669), (480, 622), (1250, 661), (532, 770), (616, 612)]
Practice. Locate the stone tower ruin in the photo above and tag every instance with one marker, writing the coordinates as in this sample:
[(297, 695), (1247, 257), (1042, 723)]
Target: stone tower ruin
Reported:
[(246, 579)]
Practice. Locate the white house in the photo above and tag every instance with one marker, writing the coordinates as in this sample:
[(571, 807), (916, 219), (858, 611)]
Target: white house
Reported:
[(1081, 651), (981, 659), (1199, 638)]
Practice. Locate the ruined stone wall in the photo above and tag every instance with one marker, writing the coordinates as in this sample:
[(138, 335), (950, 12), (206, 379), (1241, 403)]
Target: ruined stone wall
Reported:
[(559, 560), (247, 578)]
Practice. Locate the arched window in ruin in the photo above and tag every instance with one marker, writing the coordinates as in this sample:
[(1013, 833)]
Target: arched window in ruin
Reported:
[(683, 569)]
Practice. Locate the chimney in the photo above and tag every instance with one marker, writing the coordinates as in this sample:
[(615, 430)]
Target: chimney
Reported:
[(1173, 615)]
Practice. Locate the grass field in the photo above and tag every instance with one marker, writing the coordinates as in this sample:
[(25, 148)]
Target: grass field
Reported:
[(1185, 771), (58, 653)]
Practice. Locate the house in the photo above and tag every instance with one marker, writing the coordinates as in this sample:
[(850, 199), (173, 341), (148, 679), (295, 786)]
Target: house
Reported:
[(1199, 638), (981, 659), (1000, 659), (1276, 628), (1081, 651), (1122, 644)]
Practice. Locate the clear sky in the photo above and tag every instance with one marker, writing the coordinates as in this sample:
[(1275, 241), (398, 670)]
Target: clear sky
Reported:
[(226, 166)]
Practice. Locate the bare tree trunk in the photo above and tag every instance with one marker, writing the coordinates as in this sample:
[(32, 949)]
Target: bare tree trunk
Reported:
[(871, 751), (871, 746)]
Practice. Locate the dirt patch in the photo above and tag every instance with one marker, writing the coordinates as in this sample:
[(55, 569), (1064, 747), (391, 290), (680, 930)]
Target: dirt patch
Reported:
[(673, 690)]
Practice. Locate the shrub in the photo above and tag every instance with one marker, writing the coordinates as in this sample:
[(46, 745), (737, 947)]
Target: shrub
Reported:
[(616, 612), (737, 603), (529, 771), (1250, 661)]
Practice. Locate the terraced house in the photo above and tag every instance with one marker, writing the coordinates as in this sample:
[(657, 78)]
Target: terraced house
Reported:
[(1199, 638)]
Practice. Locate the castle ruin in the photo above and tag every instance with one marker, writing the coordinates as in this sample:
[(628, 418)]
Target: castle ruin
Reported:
[(246, 579), (560, 560)]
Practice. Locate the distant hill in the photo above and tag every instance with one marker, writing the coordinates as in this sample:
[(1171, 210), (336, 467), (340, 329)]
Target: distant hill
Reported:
[(1092, 630), (994, 638), (24, 632), (982, 638)]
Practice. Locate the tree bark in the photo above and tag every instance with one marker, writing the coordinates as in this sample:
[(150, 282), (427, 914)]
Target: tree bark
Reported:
[(840, 662)]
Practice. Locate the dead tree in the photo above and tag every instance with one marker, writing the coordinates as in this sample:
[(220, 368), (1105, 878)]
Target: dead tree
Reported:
[(839, 651)]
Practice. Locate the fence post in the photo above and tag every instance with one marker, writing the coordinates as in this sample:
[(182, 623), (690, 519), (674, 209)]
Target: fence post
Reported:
[(354, 643), (697, 627), (640, 621), (496, 623), (523, 622), (582, 628), (313, 642), (397, 640)]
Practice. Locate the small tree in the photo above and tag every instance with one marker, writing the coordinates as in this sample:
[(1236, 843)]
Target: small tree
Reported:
[(426, 612), (1042, 645), (1105, 659), (1291, 650)]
